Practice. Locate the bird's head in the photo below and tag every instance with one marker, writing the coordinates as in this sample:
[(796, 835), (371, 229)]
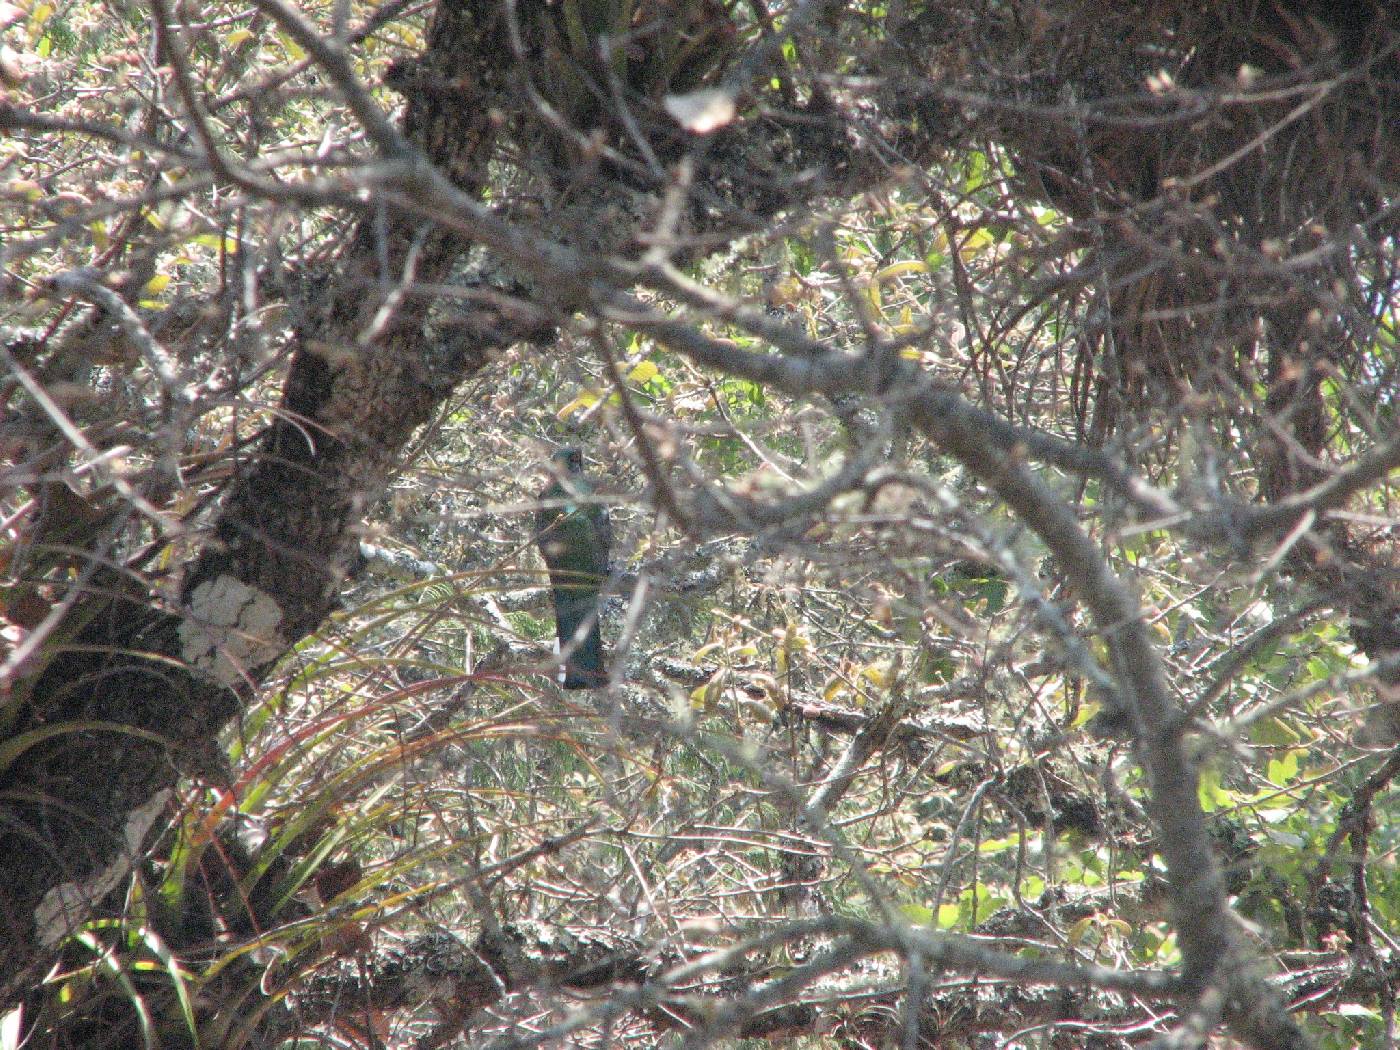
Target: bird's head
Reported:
[(568, 460)]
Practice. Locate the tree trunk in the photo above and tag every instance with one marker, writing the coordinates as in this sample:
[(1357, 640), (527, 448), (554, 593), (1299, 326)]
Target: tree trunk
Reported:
[(140, 694)]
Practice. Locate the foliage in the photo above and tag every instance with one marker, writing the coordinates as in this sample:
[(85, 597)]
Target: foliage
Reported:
[(874, 751)]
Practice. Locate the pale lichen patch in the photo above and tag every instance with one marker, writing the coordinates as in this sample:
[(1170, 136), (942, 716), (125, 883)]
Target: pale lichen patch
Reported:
[(65, 907), (229, 629)]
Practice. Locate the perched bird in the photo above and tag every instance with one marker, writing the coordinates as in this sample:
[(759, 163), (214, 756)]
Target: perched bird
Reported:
[(574, 535)]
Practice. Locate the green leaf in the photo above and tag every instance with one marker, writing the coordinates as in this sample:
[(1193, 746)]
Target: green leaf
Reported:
[(1274, 732), (918, 914), (1211, 794), (991, 847), (1284, 770), (215, 242)]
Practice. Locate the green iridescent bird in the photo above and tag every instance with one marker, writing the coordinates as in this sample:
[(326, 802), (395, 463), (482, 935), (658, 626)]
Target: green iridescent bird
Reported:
[(574, 536)]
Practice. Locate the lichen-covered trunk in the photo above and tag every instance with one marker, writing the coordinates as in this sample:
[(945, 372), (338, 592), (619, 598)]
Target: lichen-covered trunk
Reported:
[(140, 693)]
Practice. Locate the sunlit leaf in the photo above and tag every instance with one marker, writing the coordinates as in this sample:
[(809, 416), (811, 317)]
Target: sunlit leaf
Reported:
[(1213, 797), (918, 914), (584, 401), (1284, 770), (900, 269)]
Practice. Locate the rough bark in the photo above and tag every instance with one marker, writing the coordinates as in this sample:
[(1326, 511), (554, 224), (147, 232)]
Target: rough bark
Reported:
[(78, 798), (77, 802), (137, 696)]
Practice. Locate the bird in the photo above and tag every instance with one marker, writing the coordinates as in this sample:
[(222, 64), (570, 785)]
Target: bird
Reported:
[(574, 536)]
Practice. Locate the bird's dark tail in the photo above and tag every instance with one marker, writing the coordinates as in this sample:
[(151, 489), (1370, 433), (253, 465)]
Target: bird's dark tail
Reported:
[(583, 667)]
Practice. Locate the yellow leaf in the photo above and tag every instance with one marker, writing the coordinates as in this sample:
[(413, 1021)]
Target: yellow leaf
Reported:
[(644, 372), (980, 240), (214, 242), (704, 697), (785, 292), (1078, 931), (98, 229), (156, 284), (293, 48), (918, 914), (584, 401), (899, 269), (877, 674)]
